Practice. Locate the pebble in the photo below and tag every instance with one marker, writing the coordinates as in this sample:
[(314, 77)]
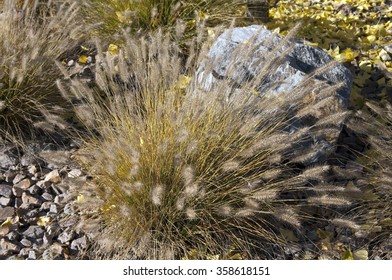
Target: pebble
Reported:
[(53, 176), (6, 161), (25, 242), (47, 239), (6, 212), (13, 235), (34, 232), (24, 252), (17, 191), (30, 200), (74, 173), (32, 169), (34, 189), (45, 205), (47, 196), (66, 236), (8, 246), (53, 208), (32, 255), (9, 175), (23, 184), (55, 251), (5, 201), (79, 244), (19, 177), (30, 160), (5, 190)]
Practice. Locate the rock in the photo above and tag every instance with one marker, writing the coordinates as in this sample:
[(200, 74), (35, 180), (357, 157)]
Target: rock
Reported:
[(43, 184), (30, 200), (53, 229), (31, 216), (32, 169), (45, 205), (69, 221), (74, 173), (19, 177), (30, 160), (34, 189), (17, 191), (9, 175), (47, 239), (69, 209), (55, 159), (18, 202), (23, 184), (6, 161), (24, 252), (53, 177), (47, 196), (53, 208), (292, 69), (5, 201), (66, 236), (6, 212), (55, 251), (34, 232), (5, 190), (32, 255), (301, 60), (25, 242), (13, 236), (79, 244), (8, 247)]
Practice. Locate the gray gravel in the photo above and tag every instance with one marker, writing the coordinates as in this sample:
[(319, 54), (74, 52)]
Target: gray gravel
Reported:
[(36, 212)]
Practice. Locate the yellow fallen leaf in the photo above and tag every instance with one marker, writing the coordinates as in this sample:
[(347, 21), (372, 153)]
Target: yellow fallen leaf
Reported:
[(120, 16), (183, 82), (371, 38), (7, 222), (80, 198), (349, 54), (43, 221), (107, 208), (113, 49), (83, 59), (361, 255)]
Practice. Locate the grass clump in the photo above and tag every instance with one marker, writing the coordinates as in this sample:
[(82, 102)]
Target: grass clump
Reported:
[(374, 124), (30, 45), (112, 16), (178, 168)]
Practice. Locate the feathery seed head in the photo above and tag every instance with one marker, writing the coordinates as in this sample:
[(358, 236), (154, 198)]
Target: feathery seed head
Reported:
[(157, 193), (230, 166)]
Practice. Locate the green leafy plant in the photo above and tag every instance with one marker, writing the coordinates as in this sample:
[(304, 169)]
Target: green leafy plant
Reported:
[(178, 168), (30, 45)]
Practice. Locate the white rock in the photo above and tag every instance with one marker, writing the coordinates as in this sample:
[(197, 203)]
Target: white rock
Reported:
[(53, 176)]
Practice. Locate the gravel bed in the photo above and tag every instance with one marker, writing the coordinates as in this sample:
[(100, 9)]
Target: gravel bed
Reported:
[(37, 213)]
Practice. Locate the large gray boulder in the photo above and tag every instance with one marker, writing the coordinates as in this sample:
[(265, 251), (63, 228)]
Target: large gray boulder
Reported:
[(294, 66), (239, 55)]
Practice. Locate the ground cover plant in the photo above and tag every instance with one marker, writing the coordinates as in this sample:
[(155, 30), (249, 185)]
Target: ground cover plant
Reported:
[(31, 42)]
